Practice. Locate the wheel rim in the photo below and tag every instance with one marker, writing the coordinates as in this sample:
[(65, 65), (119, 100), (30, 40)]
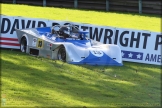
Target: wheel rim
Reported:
[(62, 54), (23, 45), (22, 48)]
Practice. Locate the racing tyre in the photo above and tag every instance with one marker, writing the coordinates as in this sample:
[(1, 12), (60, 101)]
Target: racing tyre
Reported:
[(62, 54), (23, 44)]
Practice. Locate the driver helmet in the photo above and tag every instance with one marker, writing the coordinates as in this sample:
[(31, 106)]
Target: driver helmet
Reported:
[(65, 30)]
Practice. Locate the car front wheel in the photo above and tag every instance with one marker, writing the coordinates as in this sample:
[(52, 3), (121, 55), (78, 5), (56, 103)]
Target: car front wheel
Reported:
[(62, 54), (23, 44)]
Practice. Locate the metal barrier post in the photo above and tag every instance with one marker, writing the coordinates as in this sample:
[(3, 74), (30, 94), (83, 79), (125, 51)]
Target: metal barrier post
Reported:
[(14, 1), (107, 5), (44, 3), (75, 3), (140, 6)]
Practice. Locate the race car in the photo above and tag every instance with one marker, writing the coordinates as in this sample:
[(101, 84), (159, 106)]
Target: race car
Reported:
[(68, 44)]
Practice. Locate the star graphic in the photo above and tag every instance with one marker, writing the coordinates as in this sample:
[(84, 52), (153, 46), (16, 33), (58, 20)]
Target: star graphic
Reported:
[(122, 54), (130, 55), (138, 56)]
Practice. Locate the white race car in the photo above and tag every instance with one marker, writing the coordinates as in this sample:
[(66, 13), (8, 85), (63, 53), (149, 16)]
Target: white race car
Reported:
[(67, 43)]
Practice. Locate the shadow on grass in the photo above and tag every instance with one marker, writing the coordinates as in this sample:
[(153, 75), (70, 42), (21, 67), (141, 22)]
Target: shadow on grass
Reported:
[(44, 82), (60, 83)]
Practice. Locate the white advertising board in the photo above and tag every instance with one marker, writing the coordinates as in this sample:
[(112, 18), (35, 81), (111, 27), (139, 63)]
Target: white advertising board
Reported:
[(136, 45)]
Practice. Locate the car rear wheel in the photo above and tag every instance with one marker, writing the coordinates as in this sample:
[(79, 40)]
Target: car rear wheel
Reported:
[(23, 44), (62, 54)]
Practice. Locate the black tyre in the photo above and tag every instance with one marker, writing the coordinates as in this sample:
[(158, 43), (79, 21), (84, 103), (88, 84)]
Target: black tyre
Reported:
[(23, 44), (62, 54)]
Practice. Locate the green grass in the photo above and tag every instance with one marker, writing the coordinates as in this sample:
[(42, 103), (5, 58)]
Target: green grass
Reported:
[(123, 20), (29, 81)]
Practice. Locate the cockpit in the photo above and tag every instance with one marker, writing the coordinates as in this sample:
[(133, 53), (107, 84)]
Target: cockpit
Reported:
[(69, 31)]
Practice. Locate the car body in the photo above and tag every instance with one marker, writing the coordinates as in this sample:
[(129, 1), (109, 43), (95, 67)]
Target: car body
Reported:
[(67, 43)]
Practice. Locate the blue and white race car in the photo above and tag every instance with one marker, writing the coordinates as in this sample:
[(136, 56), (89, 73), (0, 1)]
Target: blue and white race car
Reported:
[(67, 43)]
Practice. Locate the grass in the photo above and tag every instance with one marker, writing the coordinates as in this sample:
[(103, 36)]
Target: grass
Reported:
[(122, 20), (29, 81)]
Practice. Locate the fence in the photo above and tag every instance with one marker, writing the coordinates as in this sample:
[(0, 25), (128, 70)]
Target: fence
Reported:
[(136, 6)]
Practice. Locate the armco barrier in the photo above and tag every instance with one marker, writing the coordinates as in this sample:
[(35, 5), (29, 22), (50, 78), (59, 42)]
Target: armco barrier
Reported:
[(125, 6), (29, 2), (136, 45), (135, 6), (60, 3)]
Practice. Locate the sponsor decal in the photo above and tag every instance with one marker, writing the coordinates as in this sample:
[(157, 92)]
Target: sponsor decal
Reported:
[(40, 43), (97, 53), (34, 43)]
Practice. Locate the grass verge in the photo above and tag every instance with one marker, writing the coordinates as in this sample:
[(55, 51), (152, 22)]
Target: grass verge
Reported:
[(28, 81), (123, 20)]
